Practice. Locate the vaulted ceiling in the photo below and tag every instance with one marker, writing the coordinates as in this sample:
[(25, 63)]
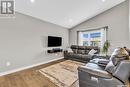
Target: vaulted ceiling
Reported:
[(66, 13)]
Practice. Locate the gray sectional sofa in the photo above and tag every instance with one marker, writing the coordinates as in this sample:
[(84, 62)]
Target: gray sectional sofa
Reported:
[(80, 53), (115, 74)]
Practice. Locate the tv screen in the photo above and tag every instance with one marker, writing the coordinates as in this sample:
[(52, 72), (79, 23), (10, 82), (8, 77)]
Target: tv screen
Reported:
[(54, 41)]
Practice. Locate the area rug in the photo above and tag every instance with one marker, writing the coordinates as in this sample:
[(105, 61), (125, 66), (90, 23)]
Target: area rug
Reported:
[(63, 74)]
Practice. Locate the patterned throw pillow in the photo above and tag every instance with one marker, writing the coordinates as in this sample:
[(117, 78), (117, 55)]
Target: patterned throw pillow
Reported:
[(118, 55), (116, 60)]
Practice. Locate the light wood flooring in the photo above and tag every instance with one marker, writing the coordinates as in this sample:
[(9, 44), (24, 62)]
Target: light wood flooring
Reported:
[(28, 78)]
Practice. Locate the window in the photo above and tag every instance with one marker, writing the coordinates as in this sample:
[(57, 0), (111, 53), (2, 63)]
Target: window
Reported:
[(92, 38)]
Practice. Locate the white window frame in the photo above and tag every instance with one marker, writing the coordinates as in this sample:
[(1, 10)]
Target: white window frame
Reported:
[(103, 31)]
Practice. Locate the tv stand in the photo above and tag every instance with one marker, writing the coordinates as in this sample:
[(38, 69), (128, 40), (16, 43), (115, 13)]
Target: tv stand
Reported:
[(55, 50)]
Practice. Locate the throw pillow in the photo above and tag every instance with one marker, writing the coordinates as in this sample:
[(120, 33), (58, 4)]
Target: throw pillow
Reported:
[(117, 60), (69, 50), (118, 55), (92, 52)]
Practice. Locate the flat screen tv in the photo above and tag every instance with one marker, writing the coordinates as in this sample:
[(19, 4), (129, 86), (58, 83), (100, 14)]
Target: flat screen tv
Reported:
[(54, 41)]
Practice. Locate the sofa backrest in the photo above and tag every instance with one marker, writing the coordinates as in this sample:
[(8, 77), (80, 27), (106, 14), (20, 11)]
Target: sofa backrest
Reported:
[(74, 48), (84, 49), (119, 64), (122, 72)]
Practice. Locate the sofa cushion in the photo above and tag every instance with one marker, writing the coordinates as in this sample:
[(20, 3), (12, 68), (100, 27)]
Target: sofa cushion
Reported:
[(100, 62), (69, 54), (91, 47), (74, 47), (82, 47), (81, 51), (78, 56), (73, 56), (86, 57)]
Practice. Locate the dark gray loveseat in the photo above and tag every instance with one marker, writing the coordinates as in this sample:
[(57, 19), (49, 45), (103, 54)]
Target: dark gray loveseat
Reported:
[(80, 53)]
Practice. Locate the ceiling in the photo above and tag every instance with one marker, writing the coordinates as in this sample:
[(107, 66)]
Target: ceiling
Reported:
[(66, 13)]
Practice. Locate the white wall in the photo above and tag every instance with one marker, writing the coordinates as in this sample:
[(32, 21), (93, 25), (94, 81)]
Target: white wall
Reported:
[(116, 18), (129, 22), (23, 41)]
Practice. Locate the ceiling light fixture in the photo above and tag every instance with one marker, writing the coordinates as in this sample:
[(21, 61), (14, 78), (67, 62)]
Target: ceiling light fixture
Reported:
[(70, 20), (32, 1), (103, 0)]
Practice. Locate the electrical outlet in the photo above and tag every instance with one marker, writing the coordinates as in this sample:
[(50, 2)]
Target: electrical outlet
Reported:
[(8, 64)]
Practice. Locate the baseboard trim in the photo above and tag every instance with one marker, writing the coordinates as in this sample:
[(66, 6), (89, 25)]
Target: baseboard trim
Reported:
[(27, 67)]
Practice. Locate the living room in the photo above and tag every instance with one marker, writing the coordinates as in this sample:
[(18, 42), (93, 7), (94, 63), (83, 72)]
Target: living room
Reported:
[(48, 43)]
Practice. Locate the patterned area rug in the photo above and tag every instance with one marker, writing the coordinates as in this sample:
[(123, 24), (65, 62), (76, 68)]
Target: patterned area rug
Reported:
[(63, 74)]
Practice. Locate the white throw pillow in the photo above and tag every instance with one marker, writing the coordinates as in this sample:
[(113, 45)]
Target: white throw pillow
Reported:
[(92, 52), (69, 50)]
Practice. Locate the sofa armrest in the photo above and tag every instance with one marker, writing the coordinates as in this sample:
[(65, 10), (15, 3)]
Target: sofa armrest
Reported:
[(95, 71)]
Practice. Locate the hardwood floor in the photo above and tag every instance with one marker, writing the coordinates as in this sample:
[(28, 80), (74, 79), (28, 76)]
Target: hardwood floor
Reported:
[(27, 78)]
